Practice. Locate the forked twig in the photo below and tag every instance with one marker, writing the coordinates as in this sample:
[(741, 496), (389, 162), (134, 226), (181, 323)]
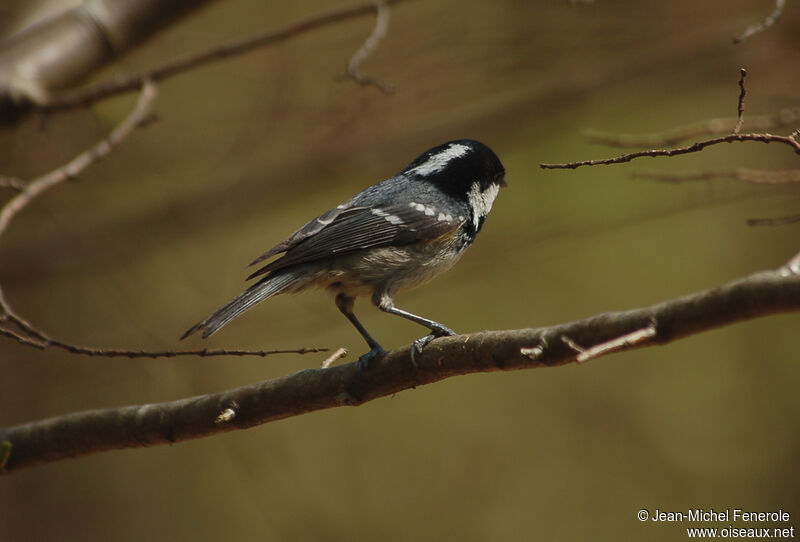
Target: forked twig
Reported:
[(29, 334), (369, 46)]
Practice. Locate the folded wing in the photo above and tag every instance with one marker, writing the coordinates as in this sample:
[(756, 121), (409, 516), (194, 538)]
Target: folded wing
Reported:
[(344, 230)]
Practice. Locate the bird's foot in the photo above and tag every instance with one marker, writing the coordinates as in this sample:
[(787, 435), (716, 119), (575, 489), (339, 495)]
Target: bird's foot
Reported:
[(376, 352), (422, 342)]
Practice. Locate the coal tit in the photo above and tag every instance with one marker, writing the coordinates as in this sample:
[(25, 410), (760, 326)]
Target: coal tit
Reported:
[(393, 236)]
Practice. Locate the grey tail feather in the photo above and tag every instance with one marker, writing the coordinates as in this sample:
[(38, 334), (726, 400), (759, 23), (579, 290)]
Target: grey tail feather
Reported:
[(260, 291)]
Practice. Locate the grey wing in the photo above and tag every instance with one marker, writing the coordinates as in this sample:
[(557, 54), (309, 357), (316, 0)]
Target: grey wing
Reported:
[(304, 232), (364, 227)]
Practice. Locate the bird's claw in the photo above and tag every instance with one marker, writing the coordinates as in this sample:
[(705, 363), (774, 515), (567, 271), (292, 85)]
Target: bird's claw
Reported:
[(422, 342)]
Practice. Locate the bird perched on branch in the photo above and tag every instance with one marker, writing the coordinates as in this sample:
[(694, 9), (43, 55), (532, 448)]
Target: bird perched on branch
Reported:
[(393, 236)]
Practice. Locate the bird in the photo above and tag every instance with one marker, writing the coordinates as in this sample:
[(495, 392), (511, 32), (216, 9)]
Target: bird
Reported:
[(391, 237)]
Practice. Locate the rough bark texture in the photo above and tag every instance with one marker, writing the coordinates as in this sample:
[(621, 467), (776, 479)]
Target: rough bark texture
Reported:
[(84, 433)]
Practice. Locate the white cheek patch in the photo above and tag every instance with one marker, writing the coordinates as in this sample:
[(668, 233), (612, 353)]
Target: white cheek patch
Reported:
[(438, 161), (481, 200), (390, 218)]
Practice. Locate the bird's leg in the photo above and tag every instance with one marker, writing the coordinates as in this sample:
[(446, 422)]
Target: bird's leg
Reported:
[(345, 304), (385, 302)]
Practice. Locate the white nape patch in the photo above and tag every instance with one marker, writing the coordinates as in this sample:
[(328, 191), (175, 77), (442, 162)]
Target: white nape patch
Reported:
[(437, 162), (481, 200), (390, 218)]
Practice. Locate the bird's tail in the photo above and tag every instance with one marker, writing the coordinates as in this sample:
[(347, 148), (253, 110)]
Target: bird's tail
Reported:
[(259, 291)]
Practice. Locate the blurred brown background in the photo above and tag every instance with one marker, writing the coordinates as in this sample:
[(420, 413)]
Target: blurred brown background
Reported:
[(158, 234)]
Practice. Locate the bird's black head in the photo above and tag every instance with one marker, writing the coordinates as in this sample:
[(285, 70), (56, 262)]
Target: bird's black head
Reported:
[(459, 167), (466, 170)]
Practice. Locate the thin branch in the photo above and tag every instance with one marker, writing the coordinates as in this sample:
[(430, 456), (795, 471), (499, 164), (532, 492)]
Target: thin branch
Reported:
[(575, 347), (695, 147), (754, 176), (369, 46), (84, 433), (12, 182), (712, 127), (27, 341), (336, 356), (31, 335), (624, 342), (123, 84), (740, 108), (74, 168), (779, 221), (119, 353), (39, 185), (763, 25)]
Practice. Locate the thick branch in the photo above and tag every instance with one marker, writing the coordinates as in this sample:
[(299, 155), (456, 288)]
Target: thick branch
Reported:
[(60, 51), (85, 433)]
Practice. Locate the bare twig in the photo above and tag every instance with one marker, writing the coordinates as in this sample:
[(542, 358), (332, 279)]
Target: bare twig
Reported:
[(378, 33), (779, 221), (712, 127), (742, 93), (72, 169), (49, 342), (227, 415), (12, 182), (85, 433), (336, 356), (123, 84), (753, 176), (575, 347), (763, 25), (623, 342), (794, 264), (695, 147), (31, 335)]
